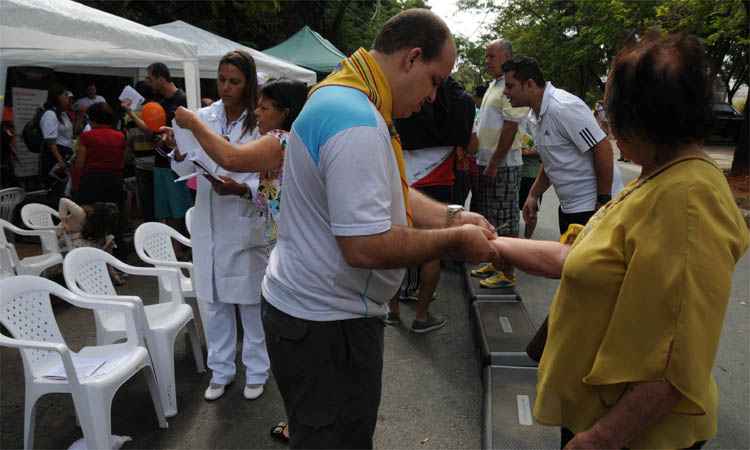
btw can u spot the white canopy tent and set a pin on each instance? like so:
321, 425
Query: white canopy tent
212, 47
72, 37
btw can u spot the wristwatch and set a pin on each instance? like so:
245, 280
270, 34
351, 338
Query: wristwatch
452, 212
603, 198
248, 195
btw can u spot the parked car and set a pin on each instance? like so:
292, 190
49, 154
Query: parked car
726, 124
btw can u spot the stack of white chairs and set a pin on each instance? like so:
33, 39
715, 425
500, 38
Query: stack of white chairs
9, 199
86, 274
153, 244
91, 376
37, 216
30, 265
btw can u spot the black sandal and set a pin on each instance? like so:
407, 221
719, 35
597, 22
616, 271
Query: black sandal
277, 432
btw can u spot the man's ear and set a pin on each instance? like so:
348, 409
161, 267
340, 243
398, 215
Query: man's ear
411, 57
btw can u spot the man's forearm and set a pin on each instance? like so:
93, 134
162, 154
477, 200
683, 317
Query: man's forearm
401, 246
427, 212
507, 135
603, 166
138, 121
643, 405
541, 183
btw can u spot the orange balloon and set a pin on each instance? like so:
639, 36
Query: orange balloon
154, 116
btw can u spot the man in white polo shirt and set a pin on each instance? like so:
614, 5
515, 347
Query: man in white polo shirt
499, 160
575, 152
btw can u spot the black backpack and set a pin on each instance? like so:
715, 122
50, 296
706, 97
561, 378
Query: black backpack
32, 132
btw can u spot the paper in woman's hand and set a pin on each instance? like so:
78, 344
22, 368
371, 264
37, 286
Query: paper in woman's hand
185, 140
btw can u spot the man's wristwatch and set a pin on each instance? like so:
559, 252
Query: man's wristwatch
603, 198
452, 212
248, 195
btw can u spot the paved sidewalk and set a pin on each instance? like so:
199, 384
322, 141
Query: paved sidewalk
432, 394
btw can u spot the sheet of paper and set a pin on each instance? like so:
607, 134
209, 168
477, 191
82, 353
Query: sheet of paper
187, 177
186, 142
85, 366
136, 99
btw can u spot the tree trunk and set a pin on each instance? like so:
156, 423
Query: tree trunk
741, 160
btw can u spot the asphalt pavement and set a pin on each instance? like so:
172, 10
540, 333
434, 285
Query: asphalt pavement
432, 393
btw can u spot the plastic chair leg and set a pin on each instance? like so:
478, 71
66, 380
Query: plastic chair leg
153, 389
161, 348
29, 420
195, 343
96, 418
203, 314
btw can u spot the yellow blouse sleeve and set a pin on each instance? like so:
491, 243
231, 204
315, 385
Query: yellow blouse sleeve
666, 323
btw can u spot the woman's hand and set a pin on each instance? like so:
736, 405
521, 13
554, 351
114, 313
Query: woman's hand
228, 187
589, 440
185, 118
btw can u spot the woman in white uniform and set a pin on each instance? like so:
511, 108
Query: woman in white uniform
57, 131
230, 247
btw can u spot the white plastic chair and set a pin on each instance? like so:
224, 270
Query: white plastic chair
7, 269
37, 216
86, 274
51, 367
153, 244
31, 265
9, 199
189, 220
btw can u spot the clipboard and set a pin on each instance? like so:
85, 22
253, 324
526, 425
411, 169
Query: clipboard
207, 173
202, 171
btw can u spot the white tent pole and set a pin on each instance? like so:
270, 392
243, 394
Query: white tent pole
3, 78
192, 84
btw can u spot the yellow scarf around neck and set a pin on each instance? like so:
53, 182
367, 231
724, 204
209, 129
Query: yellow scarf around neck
360, 71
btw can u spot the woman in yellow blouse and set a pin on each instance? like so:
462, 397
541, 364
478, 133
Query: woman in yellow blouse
635, 324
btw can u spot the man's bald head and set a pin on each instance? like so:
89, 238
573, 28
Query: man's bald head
495, 54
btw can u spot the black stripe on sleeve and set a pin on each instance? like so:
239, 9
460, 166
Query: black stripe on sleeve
586, 135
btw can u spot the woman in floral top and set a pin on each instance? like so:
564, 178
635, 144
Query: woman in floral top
279, 104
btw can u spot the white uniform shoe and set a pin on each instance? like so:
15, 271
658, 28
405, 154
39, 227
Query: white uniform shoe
214, 391
252, 391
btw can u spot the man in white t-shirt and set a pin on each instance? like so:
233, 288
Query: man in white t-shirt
83, 103
344, 237
576, 154
499, 160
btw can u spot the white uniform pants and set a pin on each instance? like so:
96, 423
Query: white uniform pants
222, 343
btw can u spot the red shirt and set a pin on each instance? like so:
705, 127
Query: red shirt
105, 150
442, 175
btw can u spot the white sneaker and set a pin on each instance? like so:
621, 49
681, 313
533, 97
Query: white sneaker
252, 391
214, 391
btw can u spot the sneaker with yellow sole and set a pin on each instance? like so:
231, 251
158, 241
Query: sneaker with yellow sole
498, 281
485, 271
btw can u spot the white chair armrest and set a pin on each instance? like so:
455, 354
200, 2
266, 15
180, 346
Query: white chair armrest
56, 347
174, 264
166, 275
131, 306
38, 345
182, 239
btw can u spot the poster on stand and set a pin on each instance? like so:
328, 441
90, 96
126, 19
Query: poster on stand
25, 103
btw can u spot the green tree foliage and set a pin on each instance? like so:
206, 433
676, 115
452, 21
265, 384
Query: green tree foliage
470, 64
348, 24
575, 40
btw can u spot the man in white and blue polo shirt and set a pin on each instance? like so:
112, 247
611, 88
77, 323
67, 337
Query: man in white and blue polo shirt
344, 236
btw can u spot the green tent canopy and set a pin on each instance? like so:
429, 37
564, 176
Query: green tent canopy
309, 49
